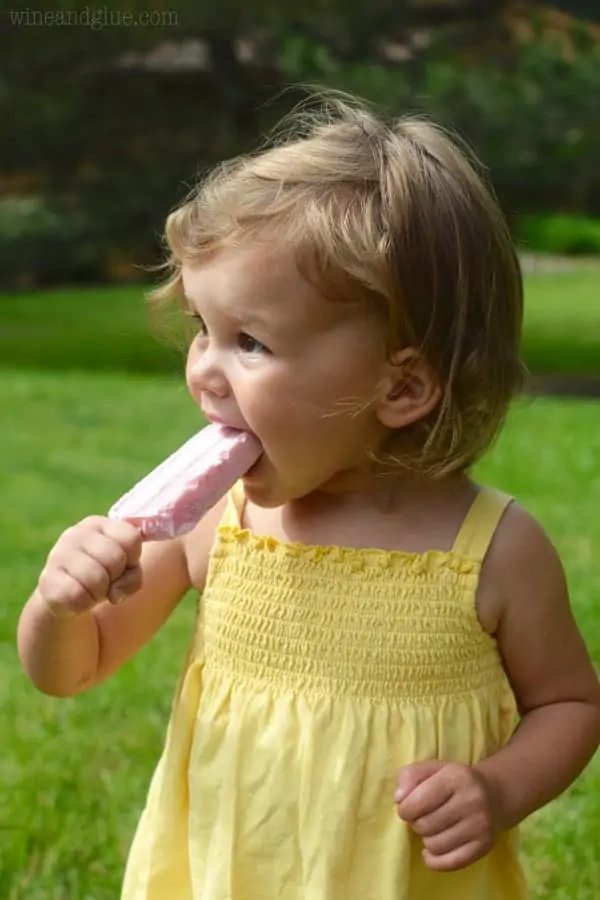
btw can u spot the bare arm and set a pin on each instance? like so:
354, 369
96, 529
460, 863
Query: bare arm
556, 687
458, 810
64, 656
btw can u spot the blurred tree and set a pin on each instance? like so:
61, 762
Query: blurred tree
586, 9
57, 64
93, 90
110, 111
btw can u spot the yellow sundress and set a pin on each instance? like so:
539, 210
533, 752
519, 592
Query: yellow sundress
315, 674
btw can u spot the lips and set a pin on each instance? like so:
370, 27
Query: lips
217, 420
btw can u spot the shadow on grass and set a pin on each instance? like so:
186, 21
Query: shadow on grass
103, 328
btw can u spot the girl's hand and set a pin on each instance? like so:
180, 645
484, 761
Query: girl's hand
95, 560
450, 806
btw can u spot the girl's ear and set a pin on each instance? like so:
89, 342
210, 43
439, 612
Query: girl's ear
410, 389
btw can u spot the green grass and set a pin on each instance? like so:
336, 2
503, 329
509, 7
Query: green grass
74, 773
107, 328
562, 322
103, 328
78, 427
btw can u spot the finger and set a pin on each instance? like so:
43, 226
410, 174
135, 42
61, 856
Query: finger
125, 534
109, 553
411, 776
455, 859
451, 839
440, 820
91, 575
60, 589
426, 798
129, 583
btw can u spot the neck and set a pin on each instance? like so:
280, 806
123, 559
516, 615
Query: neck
380, 493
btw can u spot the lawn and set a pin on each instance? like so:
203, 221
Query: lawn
73, 773
107, 329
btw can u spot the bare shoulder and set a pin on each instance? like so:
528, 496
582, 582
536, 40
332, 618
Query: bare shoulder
519, 543
520, 559
525, 590
197, 545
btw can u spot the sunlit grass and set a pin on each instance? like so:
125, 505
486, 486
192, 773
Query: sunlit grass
74, 773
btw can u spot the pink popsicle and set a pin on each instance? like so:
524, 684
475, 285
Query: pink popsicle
172, 498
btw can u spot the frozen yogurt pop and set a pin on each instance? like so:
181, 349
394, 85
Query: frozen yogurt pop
172, 498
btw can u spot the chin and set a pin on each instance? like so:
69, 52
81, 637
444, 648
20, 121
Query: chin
258, 489
260, 496
265, 490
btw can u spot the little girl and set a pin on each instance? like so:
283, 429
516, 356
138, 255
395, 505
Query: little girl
371, 619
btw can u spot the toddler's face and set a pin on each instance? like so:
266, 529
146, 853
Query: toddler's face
275, 357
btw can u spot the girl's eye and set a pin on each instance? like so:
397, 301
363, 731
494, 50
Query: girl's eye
245, 341
250, 344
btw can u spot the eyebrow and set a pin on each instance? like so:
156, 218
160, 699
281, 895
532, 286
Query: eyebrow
251, 318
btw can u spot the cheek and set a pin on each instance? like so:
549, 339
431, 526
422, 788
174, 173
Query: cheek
295, 421
291, 409
342, 392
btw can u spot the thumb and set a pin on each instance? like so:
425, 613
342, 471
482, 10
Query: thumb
412, 776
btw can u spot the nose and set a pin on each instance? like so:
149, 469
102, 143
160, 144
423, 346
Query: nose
205, 374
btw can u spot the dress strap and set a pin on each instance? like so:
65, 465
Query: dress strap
480, 523
234, 508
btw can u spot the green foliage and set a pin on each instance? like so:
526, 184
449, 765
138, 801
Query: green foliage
559, 234
535, 124
111, 146
41, 243
532, 118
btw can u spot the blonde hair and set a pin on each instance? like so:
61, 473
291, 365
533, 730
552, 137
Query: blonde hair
396, 214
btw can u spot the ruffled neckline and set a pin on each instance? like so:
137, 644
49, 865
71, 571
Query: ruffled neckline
354, 557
